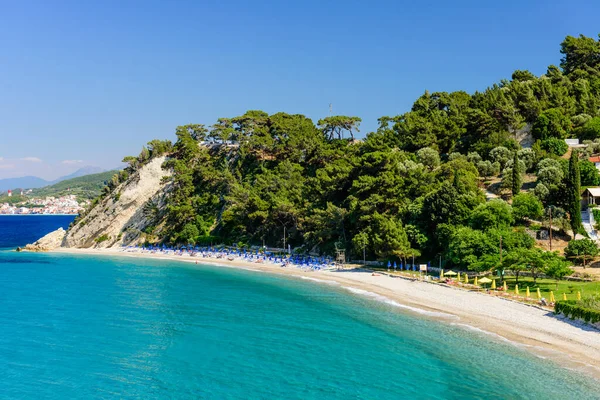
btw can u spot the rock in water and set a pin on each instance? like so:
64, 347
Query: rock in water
49, 242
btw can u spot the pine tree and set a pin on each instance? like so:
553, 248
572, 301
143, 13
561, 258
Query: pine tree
516, 176
574, 193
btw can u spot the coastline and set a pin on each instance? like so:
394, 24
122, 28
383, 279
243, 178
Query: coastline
569, 343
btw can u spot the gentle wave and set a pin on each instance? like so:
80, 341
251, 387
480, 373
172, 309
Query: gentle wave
326, 281
391, 302
483, 331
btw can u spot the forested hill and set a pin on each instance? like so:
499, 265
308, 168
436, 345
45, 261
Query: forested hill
84, 187
410, 188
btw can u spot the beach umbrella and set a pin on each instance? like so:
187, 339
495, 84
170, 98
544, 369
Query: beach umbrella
493, 284
564, 296
450, 273
389, 265
458, 277
578, 295
484, 280
527, 293
552, 297
466, 278
539, 295
517, 290
441, 273
395, 266
505, 287
475, 282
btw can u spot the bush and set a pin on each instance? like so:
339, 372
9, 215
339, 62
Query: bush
428, 157
102, 238
555, 146
526, 205
596, 213
591, 129
579, 249
572, 309
552, 123
589, 173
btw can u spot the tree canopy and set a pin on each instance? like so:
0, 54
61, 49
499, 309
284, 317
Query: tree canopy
411, 187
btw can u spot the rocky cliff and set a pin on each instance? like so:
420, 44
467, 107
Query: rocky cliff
121, 216
49, 242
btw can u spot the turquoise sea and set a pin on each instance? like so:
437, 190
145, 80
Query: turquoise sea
117, 327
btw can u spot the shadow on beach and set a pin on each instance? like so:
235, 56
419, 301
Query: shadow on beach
573, 322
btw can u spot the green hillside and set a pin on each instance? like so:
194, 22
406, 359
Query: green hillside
412, 188
84, 187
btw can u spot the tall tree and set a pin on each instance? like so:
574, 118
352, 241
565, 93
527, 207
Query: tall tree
517, 180
338, 124
573, 185
579, 52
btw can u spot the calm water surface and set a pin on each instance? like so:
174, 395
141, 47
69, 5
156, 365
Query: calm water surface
88, 327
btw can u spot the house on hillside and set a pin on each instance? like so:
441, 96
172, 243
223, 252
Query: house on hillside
595, 160
590, 196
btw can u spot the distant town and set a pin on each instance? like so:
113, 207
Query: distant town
44, 206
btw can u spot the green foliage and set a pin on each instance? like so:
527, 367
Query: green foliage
189, 234
588, 173
581, 249
466, 246
573, 187
527, 206
487, 168
493, 214
579, 53
84, 187
338, 124
554, 146
558, 269
14, 199
102, 238
590, 130
551, 123
528, 158
500, 155
517, 178
412, 187
533, 260
571, 309
428, 157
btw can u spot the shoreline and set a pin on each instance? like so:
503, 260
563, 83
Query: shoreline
570, 344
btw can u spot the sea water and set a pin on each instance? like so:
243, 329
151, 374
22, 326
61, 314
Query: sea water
119, 327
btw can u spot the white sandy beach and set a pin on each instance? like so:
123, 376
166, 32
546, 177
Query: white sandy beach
571, 344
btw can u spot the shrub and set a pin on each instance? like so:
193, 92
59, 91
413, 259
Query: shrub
552, 123
102, 238
574, 310
591, 129
589, 173
526, 205
555, 146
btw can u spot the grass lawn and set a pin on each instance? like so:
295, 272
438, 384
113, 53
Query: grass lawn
570, 288
546, 285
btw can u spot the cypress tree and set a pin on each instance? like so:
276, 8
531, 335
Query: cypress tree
574, 193
516, 176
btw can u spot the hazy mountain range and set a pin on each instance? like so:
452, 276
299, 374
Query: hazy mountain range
33, 182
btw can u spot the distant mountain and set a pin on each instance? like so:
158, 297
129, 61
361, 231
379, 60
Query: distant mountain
89, 170
33, 182
25, 182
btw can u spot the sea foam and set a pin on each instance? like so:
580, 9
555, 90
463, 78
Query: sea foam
326, 281
391, 302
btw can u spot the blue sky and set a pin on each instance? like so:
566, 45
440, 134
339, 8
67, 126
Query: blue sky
88, 82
